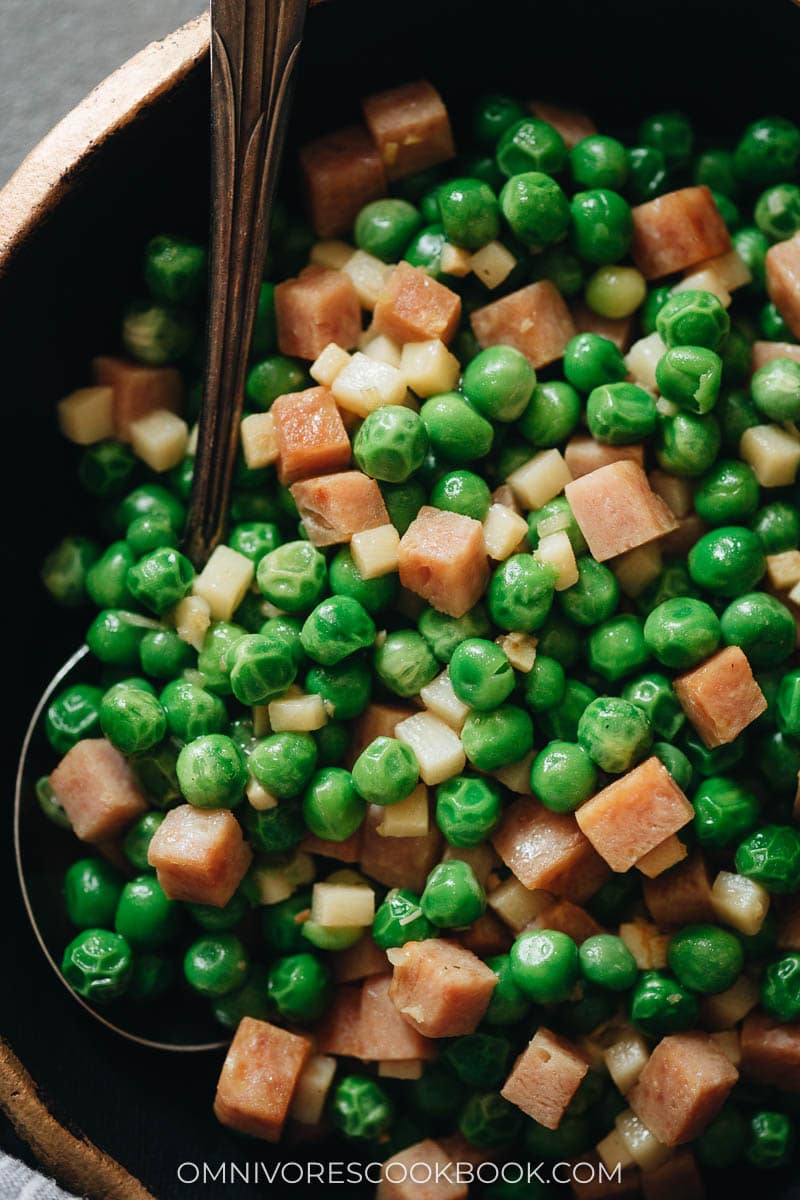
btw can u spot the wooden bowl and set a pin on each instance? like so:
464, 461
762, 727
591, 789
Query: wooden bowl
132, 161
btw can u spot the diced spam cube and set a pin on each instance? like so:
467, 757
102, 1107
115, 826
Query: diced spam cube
410, 128
783, 280
676, 231
437, 747
385, 1035
310, 435
259, 1077
259, 444
667, 854
573, 125
199, 855
486, 936
720, 697
440, 988
771, 1051
342, 171
97, 790
772, 452
547, 850
617, 510
615, 329
365, 384
764, 352
339, 1031
583, 454
427, 1163
442, 558
87, 415
397, 861
334, 507
317, 307
678, 1176
682, 895
159, 439
429, 368
545, 1077
634, 814
377, 720
224, 581
568, 918
683, 1086
360, 961
678, 543
415, 308
534, 320
138, 390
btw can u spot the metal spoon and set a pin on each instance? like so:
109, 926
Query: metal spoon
254, 52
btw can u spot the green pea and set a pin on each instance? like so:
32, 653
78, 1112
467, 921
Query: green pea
138, 838
215, 966
705, 958
720, 1144
391, 443
767, 152
751, 245
132, 719
607, 962
491, 116
775, 389
715, 169
220, 920
97, 965
787, 704
175, 269
152, 976
92, 889
771, 856
385, 227
591, 361
563, 776
647, 173
66, 570
536, 209
106, 579
496, 739
499, 383
344, 578
149, 498
673, 580
283, 763
727, 561
771, 1140
160, 579
452, 896
156, 773
213, 657
594, 598
462, 492
444, 633
687, 444
360, 1108
293, 576
615, 292
562, 268
425, 250
676, 763
654, 695
481, 675
690, 376
403, 501
544, 965
212, 772
468, 809
693, 318
145, 917
260, 668
404, 663
272, 377
777, 211
714, 761
728, 494
254, 539
551, 415
469, 213
654, 301
333, 808
735, 413
618, 647
336, 628
671, 133
531, 145
773, 326
300, 987
599, 162
561, 722
762, 626
249, 1000
602, 225
150, 531
282, 923
620, 413
553, 1145
558, 506
163, 654
73, 715
780, 988
265, 334
661, 1005
615, 897
614, 733
456, 430
399, 919
156, 334
479, 1060
545, 684
345, 688
682, 632
105, 469
520, 593
508, 1003
386, 772
191, 711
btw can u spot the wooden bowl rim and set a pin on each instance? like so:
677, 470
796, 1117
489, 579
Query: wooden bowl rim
55, 165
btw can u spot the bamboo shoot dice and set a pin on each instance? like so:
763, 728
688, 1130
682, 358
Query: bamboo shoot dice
644, 1147
297, 714
625, 1060
376, 551
503, 530
409, 818
643, 358
556, 551
192, 617
493, 264
308, 1102
259, 444
783, 570
437, 747
159, 439
440, 699
369, 276
331, 253
728, 1008
429, 367
347, 904
518, 905
381, 348
86, 416
739, 902
224, 581
773, 454
364, 385
540, 479
327, 366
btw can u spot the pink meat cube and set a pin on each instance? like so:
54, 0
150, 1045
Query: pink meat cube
137, 390
377, 720
486, 936
318, 307
413, 307
258, 1078
783, 280
545, 1077
583, 454
764, 352
771, 1051
678, 1176
360, 961
547, 850
410, 127
720, 697
398, 861
676, 231
534, 320
440, 988
678, 543
443, 559
385, 1035
634, 814
199, 855
682, 895
617, 509
682, 1087
334, 507
348, 851
97, 790
310, 433
568, 918
342, 172
573, 126
420, 1173
615, 329
339, 1031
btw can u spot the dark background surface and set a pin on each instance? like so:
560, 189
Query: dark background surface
723, 61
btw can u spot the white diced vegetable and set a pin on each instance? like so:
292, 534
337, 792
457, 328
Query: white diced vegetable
409, 818
540, 479
272, 884
705, 280
727, 1040
437, 747
455, 261
481, 858
429, 367
730, 269
783, 570
728, 1008
332, 254
260, 799
328, 364
676, 492
625, 1060
773, 454
646, 943
191, 445
313, 1085
636, 568
369, 276
364, 385
643, 1146
556, 551
192, 617
643, 358
159, 439
520, 649
375, 551
739, 902
613, 1152
503, 530
381, 348
297, 714
516, 776
440, 699
342, 904
516, 905
224, 581
87, 415
493, 264
259, 444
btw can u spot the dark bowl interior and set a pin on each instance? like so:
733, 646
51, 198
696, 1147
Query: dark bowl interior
60, 304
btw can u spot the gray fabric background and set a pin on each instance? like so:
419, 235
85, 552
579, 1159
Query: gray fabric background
52, 52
